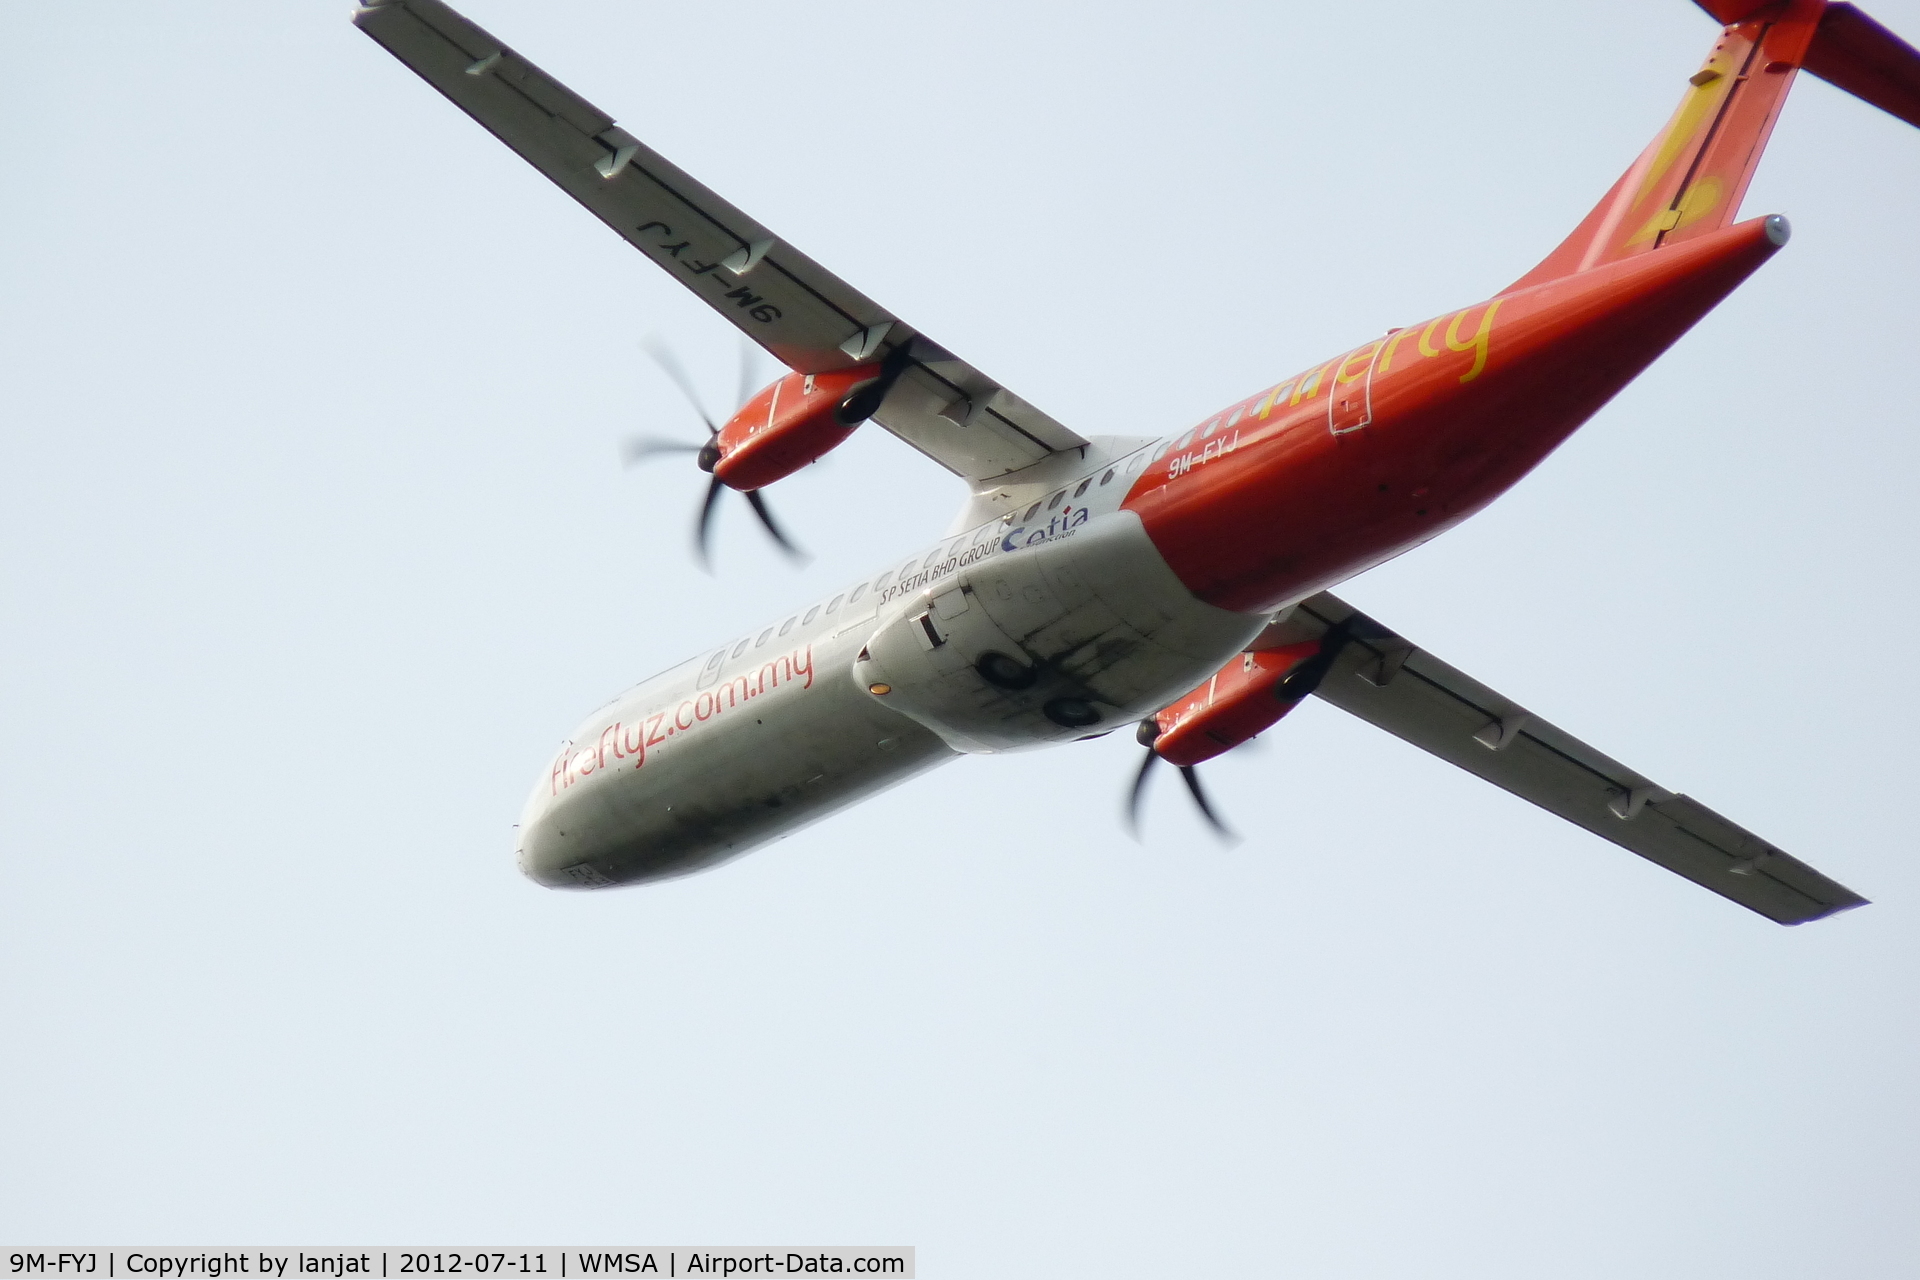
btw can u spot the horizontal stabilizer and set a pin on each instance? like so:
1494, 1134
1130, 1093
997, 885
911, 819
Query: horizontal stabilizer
1387, 682
1855, 53
1849, 51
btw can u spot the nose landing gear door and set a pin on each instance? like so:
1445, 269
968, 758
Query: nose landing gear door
1350, 392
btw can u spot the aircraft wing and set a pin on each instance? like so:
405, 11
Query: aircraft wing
808, 318
1386, 681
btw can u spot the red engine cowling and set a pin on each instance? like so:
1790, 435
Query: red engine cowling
790, 424
1242, 699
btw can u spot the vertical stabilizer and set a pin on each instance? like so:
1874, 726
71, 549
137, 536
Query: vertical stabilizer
1690, 180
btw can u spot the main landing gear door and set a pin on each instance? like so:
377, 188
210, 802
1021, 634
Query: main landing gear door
1350, 393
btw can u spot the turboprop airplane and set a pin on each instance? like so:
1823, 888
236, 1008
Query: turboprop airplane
1094, 582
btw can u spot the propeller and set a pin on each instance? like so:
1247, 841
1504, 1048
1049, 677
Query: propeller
705, 456
1297, 684
1190, 774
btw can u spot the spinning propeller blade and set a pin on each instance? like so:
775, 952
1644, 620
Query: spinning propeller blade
670, 365
759, 505
641, 448
1192, 776
1148, 731
1299, 682
1140, 786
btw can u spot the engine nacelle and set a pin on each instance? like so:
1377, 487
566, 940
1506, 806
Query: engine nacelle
1244, 698
790, 424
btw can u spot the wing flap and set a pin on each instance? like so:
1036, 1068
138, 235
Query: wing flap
1383, 679
808, 318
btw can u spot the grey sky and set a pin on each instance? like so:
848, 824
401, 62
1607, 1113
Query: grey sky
316, 541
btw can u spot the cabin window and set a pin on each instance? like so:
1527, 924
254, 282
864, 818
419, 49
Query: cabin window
856, 593
1083, 486
811, 615
1237, 413
1032, 511
933, 557
764, 637
834, 604
1056, 499
742, 646
788, 624
1211, 428
1136, 462
882, 580
1181, 443
1107, 478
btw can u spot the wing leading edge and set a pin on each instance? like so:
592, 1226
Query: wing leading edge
808, 318
1388, 682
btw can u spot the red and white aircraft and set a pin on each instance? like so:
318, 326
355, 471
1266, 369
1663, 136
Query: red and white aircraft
1092, 582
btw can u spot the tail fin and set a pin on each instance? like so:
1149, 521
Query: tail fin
1691, 178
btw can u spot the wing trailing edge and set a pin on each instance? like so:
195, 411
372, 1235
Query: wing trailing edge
1387, 681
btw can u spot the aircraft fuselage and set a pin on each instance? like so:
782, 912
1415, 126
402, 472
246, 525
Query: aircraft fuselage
1113, 582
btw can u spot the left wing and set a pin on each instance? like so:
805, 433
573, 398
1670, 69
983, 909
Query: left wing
808, 318
1386, 681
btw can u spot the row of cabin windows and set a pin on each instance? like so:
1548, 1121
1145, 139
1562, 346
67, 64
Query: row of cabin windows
830, 608
939, 553
1054, 502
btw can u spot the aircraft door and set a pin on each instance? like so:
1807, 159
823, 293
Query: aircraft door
1350, 391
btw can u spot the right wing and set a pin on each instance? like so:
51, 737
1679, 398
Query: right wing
783, 300
1386, 681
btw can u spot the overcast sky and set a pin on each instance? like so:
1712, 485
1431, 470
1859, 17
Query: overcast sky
316, 542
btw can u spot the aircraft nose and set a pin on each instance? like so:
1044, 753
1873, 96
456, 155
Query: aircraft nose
548, 857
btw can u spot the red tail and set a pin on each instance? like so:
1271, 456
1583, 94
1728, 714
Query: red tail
1691, 178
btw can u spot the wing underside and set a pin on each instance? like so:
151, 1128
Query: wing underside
808, 318
1388, 682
